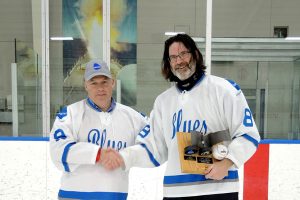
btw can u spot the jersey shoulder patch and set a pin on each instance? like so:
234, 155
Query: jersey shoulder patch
235, 85
62, 113
144, 115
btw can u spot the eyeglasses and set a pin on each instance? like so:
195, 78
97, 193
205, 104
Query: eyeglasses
182, 55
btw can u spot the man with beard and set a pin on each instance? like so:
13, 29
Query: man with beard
197, 102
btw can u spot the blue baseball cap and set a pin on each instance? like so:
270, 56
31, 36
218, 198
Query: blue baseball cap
96, 67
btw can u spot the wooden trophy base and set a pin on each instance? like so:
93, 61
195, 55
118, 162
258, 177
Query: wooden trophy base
191, 163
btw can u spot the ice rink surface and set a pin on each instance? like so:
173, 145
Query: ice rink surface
27, 173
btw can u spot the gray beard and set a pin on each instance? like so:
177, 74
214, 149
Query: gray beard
192, 69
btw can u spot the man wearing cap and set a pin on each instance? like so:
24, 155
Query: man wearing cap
87, 132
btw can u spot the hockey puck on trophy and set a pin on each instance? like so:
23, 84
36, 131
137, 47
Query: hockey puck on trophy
189, 150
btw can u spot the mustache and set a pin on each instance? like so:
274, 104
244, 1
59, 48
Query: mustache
188, 65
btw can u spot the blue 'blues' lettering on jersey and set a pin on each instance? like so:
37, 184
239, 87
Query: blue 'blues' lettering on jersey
98, 138
59, 134
234, 84
62, 113
145, 131
187, 125
248, 120
118, 145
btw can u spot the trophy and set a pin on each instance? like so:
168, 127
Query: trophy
198, 151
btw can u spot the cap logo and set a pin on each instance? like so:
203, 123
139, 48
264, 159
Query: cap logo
97, 66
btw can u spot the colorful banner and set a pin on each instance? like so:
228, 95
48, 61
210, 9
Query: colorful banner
82, 20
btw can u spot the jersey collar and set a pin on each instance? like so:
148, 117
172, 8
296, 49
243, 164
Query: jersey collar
95, 107
196, 82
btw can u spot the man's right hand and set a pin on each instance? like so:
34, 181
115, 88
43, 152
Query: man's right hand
110, 159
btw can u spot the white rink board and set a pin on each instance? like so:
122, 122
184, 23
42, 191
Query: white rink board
284, 172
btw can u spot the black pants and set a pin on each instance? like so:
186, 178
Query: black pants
226, 196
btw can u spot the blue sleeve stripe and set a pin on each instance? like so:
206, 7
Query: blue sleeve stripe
153, 160
65, 155
189, 178
92, 195
251, 139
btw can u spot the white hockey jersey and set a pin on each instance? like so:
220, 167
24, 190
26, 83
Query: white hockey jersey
77, 134
213, 104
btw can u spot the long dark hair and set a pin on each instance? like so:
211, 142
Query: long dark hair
189, 43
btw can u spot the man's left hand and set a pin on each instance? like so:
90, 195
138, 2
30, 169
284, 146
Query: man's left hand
218, 170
